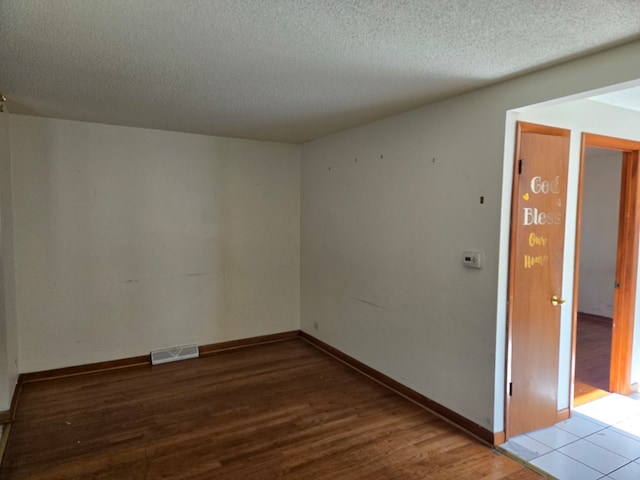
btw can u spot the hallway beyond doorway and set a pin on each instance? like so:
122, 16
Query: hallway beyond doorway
593, 358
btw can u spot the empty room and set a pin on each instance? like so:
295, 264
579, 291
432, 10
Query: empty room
318, 239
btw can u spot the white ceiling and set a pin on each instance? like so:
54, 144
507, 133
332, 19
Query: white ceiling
282, 70
629, 99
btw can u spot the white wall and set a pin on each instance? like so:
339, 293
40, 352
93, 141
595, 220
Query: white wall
8, 320
599, 235
387, 210
129, 240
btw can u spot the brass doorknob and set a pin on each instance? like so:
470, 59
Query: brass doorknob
556, 300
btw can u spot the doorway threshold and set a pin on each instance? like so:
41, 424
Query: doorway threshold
600, 441
588, 395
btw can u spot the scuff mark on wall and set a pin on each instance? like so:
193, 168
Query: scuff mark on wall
367, 302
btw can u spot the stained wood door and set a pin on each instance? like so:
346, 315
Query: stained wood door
535, 283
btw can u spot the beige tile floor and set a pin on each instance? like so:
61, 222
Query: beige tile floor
600, 441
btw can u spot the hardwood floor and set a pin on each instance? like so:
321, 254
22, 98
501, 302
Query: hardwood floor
593, 357
282, 410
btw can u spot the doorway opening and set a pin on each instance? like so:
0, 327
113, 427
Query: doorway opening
606, 268
535, 276
602, 174
595, 112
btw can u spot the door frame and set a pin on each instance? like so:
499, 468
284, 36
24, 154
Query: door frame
626, 262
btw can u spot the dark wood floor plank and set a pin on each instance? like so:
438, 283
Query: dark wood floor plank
276, 411
593, 357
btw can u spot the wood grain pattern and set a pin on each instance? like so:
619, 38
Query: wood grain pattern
536, 259
279, 410
626, 274
473, 428
204, 350
593, 357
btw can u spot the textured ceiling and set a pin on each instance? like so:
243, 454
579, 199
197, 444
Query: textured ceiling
283, 70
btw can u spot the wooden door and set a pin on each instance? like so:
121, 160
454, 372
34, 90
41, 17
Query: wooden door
535, 283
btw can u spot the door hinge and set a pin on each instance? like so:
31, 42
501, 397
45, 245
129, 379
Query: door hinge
520, 167
616, 284
510, 389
